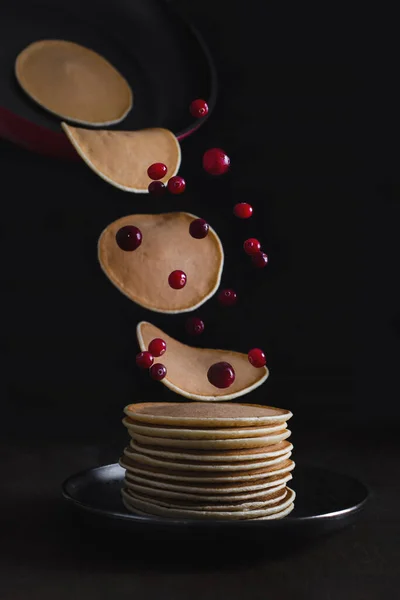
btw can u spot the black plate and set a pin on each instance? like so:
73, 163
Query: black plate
325, 501
162, 57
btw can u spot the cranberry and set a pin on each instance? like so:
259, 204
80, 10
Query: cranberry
194, 326
176, 185
257, 358
157, 347
144, 360
157, 188
157, 171
177, 279
198, 229
129, 238
199, 108
252, 246
242, 210
260, 260
158, 371
215, 161
221, 374
227, 297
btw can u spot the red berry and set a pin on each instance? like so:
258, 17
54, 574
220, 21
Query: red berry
157, 188
252, 246
198, 229
128, 238
257, 358
157, 347
176, 185
242, 210
260, 260
199, 108
177, 280
194, 326
144, 360
215, 161
157, 171
158, 371
227, 297
221, 375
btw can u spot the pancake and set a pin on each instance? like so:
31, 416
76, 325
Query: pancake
142, 275
216, 457
197, 414
273, 497
73, 82
238, 443
154, 492
135, 469
203, 466
201, 488
151, 507
275, 516
200, 434
122, 157
187, 374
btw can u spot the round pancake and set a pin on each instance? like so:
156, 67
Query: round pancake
230, 487
181, 477
278, 494
216, 456
122, 158
203, 466
210, 414
142, 275
213, 444
275, 516
152, 507
156, 492
183, 433
73, 82
187, 366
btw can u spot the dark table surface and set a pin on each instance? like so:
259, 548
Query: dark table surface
296, 148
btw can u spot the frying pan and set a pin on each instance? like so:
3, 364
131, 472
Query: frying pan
163, 58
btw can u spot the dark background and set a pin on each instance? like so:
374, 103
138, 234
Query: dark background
306, 113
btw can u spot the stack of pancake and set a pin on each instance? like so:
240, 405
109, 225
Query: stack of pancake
207, 460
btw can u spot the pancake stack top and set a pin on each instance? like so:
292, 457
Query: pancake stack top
208, 461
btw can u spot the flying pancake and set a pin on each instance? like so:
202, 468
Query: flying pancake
187, 375
73, 82
122, 157
142, 275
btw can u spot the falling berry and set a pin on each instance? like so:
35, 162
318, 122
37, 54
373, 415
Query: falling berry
144, 360
260, 260
129, 238
252, 246
176, 185
157, 171
194, 326
221, 375
257, 358
198, 229
157, 188
177, 279
227, 297
158, 371
157, 347
242, 210
215, 161
199, 108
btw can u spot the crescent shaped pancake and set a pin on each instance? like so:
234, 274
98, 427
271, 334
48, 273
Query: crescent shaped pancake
122, 157
142, 275
187, 370
73, 82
